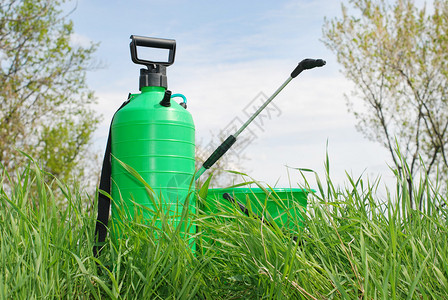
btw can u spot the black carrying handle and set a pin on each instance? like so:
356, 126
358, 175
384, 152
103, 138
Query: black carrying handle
244, 209
151, 42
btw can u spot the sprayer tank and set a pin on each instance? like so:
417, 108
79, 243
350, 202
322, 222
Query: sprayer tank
158, 143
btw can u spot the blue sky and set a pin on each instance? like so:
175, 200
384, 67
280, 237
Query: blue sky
228, 52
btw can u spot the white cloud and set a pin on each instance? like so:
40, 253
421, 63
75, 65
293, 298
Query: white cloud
313, 112
80, 40
220, 73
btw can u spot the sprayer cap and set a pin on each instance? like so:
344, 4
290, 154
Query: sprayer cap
155, 75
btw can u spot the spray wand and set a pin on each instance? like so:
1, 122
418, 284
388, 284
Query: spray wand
305, 64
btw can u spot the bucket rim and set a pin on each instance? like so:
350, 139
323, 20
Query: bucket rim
260, 190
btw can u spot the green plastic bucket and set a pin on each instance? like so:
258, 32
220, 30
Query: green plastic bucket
284, 206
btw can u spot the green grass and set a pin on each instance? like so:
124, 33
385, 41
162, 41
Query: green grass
354, 246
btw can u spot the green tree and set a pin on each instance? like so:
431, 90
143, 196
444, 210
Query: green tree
396, 54
45, 105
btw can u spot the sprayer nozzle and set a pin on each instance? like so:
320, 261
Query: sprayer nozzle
307, 64
320, 62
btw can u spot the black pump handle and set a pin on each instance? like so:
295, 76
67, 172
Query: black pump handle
151, 42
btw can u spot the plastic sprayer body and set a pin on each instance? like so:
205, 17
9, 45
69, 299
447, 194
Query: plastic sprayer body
158, 143
152, 157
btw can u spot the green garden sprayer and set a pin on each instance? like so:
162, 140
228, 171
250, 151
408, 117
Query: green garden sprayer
149, 162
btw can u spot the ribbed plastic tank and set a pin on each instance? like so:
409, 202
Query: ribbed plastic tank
158, 142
